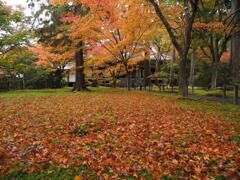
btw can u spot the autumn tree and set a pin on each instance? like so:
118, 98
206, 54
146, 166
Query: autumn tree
235, 52
54, 48
105, 65
213, 28
180, 39
160, 45
63, 40
123, 34
81, 26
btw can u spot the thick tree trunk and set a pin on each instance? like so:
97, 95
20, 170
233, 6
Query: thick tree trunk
23, 81
157, 67
128, 85
235, 56
171, 78
134, 80
114, 84
191, 80
80, 84
57, 79
214, 75
141, 79
128, 80
146, 65
183, 84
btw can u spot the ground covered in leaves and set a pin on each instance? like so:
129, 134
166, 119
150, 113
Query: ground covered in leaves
114, 134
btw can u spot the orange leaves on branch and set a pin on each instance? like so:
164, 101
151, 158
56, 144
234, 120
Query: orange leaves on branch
115, 32
67, 18
43, 54
212, 27
51, 57
123, 36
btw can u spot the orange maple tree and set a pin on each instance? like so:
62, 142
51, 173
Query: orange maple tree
82, 26
123, 34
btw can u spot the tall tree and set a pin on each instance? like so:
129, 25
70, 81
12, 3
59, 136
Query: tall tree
123, 34
14, 35
81, 26
54, 49
189, 10
214, 28
192, 69
80, 84
235, 52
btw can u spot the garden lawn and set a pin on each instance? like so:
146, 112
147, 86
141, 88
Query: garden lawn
115, 134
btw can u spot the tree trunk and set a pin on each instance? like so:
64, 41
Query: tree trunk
128, 80
114, 81
183, 84
214, 75
171, 79
225, 90
189, 20
157, 67
58, 79
236, 94
68, 77
191, 80
146, 73
9, 80
128, 85
134, 79
80, 84
141, 77
235, 55
23, 81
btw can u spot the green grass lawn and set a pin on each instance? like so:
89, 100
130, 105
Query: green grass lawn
47, 92
37, 92
201, 91
116, 134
